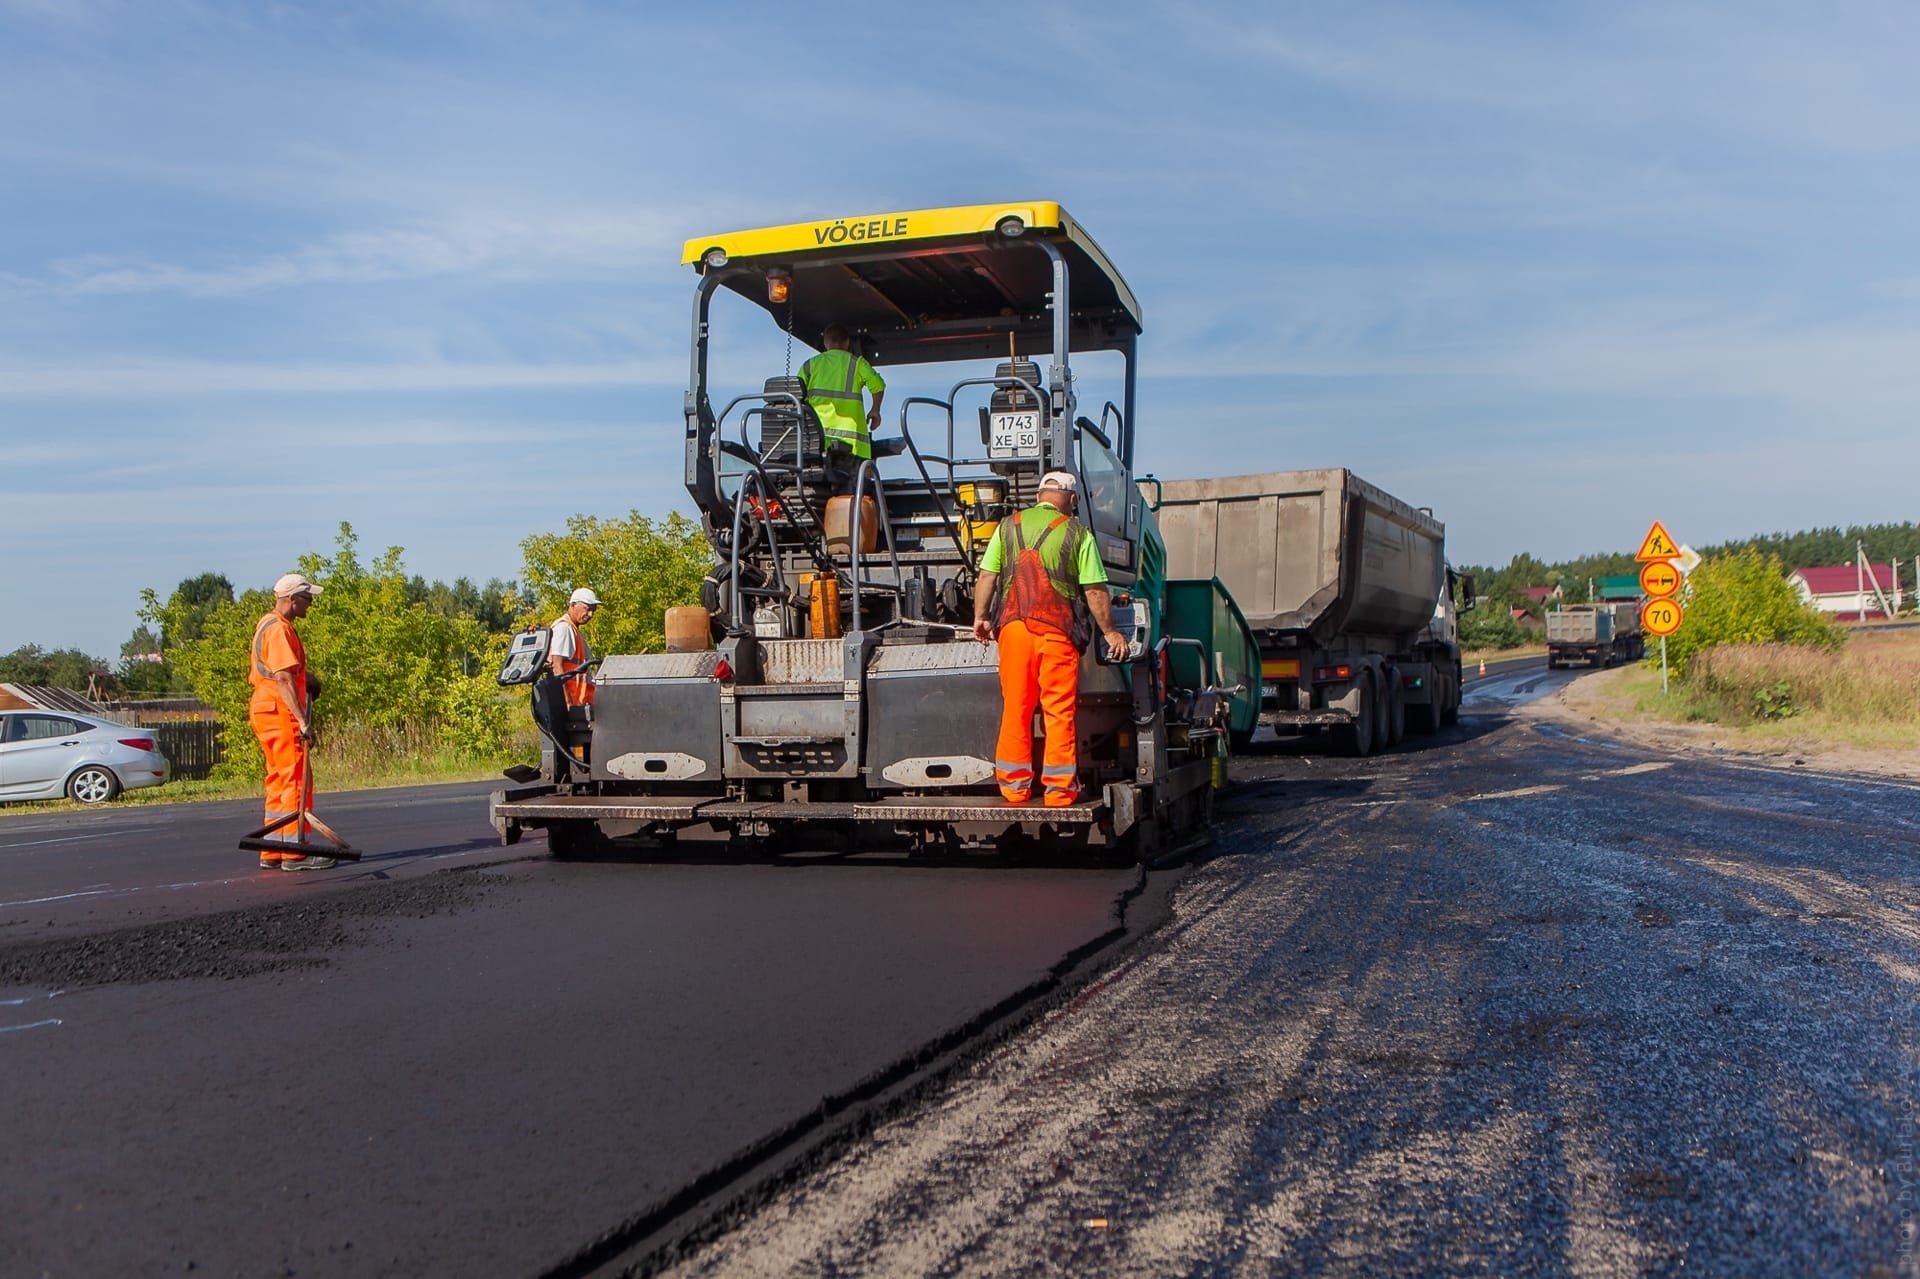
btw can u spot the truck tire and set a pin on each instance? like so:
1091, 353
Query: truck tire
1355, 738
1396, 701
1450, 709
1240, 739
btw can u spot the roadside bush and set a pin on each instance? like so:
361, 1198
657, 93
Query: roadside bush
1743, 598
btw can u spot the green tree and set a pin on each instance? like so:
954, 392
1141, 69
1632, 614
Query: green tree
1491, 625
638, 566
1743, 597
192, 600
143, 671
57, 668
489, 605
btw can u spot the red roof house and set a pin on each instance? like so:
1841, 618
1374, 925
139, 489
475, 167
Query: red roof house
1847, 590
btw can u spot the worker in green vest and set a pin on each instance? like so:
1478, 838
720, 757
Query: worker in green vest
834, 379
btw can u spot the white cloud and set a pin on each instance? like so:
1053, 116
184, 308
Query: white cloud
119, 378
500, 246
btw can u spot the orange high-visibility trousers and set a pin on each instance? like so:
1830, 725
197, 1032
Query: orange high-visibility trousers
1038, 667
280, 742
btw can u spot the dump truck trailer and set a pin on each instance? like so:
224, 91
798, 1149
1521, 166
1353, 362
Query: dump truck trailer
1346, 589
830, 694
1597, 634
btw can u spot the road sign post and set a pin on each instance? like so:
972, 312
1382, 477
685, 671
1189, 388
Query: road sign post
1664, 564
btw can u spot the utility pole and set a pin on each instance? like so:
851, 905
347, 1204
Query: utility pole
1865, 573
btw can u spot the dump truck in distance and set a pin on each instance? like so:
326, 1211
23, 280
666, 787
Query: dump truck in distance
1597, 634
1347, 591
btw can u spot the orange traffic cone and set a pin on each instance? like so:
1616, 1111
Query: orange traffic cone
1483, 666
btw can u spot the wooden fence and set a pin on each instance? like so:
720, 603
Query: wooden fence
192, 746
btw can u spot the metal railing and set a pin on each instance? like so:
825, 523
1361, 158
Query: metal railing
764, 465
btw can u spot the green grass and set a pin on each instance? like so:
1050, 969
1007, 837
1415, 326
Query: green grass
1474, 656
1865, 696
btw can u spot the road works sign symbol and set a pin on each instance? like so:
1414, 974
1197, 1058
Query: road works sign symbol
1657, 546
1662, 617
1659, 579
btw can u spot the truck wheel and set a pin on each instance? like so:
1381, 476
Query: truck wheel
1450, 709
1396, 712
1240, 739
1355, 738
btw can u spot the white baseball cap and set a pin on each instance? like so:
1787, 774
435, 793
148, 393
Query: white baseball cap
584, 596
293, 584
1060, 480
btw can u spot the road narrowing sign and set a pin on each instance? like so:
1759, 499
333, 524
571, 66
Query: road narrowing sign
1661, 617
1657, 545
1659, 578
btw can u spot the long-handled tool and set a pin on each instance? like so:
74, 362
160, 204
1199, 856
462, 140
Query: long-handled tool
305, 823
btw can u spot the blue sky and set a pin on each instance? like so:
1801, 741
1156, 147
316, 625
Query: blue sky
1553, 271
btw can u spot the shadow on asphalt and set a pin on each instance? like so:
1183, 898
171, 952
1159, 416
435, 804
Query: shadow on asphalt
1315, 748
729, 853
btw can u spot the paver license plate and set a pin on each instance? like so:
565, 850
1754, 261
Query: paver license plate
1014, 435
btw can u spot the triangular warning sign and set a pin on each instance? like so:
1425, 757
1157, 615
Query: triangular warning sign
1658, 545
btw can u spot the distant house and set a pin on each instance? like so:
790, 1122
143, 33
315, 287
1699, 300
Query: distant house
1626, 587
1527, 620
1541, 594
1846, 590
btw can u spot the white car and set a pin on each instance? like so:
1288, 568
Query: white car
47, 754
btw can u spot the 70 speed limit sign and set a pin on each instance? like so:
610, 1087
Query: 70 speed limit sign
1661, 617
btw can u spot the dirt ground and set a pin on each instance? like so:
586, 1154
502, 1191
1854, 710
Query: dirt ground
1598, 704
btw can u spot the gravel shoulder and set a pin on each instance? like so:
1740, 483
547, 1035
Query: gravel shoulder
1596, 704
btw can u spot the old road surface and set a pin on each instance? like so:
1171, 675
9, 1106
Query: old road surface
1505, 1000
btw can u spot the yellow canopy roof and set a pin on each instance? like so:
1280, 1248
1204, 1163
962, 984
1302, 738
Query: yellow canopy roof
930, 284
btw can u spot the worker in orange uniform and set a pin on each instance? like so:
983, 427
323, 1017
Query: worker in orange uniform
1049, 559
282, 716
567, 651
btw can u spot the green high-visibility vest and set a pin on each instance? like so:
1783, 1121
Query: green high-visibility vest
834, 380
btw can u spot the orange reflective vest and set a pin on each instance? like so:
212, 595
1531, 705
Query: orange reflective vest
276, 647
1037, 593
578, 687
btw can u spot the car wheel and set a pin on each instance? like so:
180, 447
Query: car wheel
93, 785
